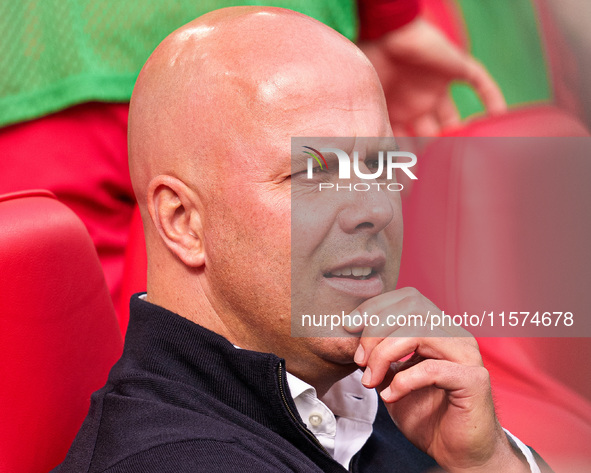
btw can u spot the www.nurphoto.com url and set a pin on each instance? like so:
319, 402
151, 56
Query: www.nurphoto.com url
488, 319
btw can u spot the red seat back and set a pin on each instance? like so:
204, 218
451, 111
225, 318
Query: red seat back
58, 331
540, 121
135, 267
503, 224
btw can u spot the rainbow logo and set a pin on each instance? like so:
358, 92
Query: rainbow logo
317, 155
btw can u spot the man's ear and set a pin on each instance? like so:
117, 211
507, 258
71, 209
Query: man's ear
174, 211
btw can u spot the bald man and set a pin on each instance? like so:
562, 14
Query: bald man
211, 379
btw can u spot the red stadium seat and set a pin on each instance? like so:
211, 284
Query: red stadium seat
58, 331
503, 224
533, 121
134, 269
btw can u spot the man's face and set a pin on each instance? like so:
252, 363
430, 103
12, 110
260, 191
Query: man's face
346, 233
263, 256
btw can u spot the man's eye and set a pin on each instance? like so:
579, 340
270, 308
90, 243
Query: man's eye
373, 163
316, 170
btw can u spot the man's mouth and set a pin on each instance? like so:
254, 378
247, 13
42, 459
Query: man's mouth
359, 273
359, 277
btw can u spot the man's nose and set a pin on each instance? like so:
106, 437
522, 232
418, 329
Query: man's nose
370, 211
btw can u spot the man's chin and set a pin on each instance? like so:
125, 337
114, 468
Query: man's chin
336, 350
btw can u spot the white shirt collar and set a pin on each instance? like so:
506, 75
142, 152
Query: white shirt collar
342, 420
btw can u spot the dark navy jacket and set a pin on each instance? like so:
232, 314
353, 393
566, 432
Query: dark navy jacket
183, 399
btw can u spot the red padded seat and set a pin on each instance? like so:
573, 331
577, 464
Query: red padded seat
503, 224
58, 331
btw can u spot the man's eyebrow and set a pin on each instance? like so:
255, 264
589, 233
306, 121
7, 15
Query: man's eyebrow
299, 158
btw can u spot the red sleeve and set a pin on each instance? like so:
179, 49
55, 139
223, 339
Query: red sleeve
378, 17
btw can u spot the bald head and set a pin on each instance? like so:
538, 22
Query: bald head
222, 79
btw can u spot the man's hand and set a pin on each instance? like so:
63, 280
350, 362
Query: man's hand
416, 64
440, 397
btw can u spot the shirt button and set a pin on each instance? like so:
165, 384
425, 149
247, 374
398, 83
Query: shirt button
315, 420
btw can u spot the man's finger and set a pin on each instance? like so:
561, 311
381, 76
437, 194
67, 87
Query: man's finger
443, 374
405, 308
407, 305
389, 350
383, 301
378, 304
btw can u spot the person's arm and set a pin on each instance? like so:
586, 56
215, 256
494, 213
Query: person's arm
416, 64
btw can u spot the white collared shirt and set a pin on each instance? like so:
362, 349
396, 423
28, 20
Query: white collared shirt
343, 420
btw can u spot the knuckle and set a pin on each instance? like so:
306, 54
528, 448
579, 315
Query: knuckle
476, 357
410, 292
401, 381
380, 352
482, 376
430, 367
